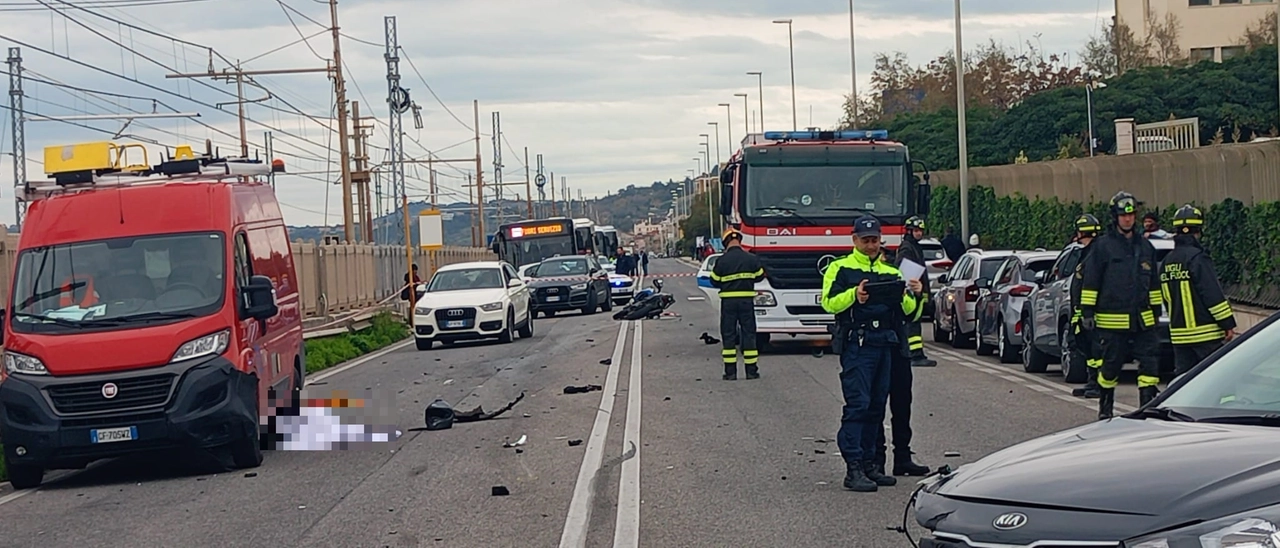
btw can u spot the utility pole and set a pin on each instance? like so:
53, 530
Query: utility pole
964, 145
360, 176
19, 136
340, 89
528, 192
541, 182
555, 211
479, 180
497, 164
398, 101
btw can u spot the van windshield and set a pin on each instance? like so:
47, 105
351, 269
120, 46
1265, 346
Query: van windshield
119, 282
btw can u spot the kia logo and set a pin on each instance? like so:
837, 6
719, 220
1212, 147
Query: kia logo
825, 261
110, 390
455, 312
1013, 520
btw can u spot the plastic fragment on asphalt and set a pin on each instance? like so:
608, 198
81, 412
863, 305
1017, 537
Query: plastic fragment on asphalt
500, 491
582, 389
951, 454
606, 361
448, 382
519, 442
575, 443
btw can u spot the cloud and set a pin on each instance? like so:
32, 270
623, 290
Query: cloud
610, 92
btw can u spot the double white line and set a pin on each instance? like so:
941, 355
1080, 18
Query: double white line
627, 524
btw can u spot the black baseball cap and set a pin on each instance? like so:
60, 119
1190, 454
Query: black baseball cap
866, 225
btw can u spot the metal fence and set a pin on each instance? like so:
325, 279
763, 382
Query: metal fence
333, 278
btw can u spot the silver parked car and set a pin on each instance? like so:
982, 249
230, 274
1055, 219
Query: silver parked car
1000, 302
953, 318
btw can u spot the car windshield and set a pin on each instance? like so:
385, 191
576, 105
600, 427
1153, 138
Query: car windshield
1036, 267
932, 253
109, 283
1245, 381
465, 278
561, 267
825, 191
989, 266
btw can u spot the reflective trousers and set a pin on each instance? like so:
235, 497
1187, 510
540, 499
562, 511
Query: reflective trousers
738, 328
1084, 349
900, 381
864, 380
1115, 347
915, 341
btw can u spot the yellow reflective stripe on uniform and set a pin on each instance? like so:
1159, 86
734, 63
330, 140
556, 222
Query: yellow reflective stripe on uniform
738, 276
1147, 380
1205, 333
1112, 321
1154, 297
751, 353
1088, 297
1221, 311
749, 357
1148, 318
737, 294
1094, 363
1164, 292
1188, 308
1104, 383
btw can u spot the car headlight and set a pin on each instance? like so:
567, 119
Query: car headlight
765, 298
1252, 529
24, 364
578, 287
491, 307
421, 310
208, 345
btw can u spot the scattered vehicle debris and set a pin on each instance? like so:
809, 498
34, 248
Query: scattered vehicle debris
575, 443
500, 491
519, 442
441, 416
582, 389
709, 339
606, 361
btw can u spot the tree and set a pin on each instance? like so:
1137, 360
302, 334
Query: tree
1261, 33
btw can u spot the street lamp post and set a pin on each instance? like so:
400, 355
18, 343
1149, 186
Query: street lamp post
792, 48
760, 81
1088, 99
853, 67
707, 145
963, 134
728, 126
746, 116
717, 124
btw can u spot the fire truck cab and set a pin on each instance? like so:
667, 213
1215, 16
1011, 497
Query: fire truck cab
794, 196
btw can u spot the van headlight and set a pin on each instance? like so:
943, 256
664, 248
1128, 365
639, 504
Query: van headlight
208, 345
491, 307
1252, 529
23, 364
765, 298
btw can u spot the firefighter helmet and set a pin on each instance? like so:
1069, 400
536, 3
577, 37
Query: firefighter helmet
731, 234
1188, 219
1124, 203
1088, 224
915, 221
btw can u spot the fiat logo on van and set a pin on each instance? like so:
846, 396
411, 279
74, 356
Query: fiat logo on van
110, 390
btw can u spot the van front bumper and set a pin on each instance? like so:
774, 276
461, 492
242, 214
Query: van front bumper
52, 422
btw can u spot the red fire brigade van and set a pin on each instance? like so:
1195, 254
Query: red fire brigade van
151, 307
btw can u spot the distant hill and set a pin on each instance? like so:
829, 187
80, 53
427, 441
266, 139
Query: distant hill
621, 209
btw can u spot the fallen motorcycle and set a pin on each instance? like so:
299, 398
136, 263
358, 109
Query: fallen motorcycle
648, 303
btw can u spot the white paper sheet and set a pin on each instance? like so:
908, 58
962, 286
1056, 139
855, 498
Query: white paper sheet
911, 270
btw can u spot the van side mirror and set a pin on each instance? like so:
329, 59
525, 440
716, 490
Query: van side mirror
924, 197
260, 295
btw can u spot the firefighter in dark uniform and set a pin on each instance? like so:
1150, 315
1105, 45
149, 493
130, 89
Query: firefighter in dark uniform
1082, 344
735, 275
1200, 318
1120, 300
910, 250
872, 306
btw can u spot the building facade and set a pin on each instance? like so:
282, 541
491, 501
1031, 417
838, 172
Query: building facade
1208, 29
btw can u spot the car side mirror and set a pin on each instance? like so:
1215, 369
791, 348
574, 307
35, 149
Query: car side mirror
514, 282
942, 279
1039, 276
260, 296
982, 283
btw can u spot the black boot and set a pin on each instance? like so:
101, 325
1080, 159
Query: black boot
1146, 394
904, 466
877, 475
1106, 403
922, 361
730, 373
856, 480
1090, 389
753, 372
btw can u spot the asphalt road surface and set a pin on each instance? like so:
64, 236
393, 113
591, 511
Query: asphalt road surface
670, 454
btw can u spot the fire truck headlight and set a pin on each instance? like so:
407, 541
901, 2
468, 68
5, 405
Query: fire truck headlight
765, 298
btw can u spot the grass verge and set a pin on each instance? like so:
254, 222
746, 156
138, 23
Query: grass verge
327, 352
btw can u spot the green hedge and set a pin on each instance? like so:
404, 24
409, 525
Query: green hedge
1241, 239
326, 352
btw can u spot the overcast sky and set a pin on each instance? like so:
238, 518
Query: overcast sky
610, 92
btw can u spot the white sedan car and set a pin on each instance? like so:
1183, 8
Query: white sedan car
621, 287
468, 301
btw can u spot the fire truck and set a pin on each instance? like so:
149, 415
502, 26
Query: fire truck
794, 196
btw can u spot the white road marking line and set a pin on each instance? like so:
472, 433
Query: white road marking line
1001, 371
579, 516
626, 531
358, 361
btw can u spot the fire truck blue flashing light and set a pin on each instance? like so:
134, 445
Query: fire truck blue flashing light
847, 135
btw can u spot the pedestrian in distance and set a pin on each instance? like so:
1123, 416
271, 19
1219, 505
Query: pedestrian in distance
1120, 299
735, 276
952, 244
872, 306
1200, 317
1082, 344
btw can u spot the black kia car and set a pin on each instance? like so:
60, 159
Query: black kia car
1198, 467
570, 282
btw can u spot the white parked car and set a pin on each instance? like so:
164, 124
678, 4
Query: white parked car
622, 288
468, 301
704, 271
